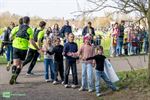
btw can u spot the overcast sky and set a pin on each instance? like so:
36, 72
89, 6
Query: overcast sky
43, 8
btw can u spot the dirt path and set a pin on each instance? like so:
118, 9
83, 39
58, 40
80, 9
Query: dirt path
35, 88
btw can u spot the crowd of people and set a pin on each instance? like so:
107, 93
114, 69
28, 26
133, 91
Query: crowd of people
133, 41
23, 45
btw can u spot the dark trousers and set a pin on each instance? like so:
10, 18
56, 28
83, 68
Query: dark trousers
59, 67
31, 56
126, 51
74, 72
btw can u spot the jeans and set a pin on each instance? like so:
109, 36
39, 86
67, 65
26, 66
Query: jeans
134, 49
130, 48
9, 52
48, 64
59, 67
98, 76
31, 56
146, 46
87, 76
74, 72
119, 45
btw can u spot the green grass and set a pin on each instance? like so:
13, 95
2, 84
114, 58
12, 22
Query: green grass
3, 60
133, 80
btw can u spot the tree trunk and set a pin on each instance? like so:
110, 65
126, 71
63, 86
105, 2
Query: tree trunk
148, 20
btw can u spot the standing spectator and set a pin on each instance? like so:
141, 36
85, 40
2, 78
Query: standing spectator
99, 71
8, 45
145, 40
120, 38
139, 36
89, 30
129, 37
66, 30
58, 60
48, 59
55, 30
70, 52
114, 39
49, 33
86, 51
134, 43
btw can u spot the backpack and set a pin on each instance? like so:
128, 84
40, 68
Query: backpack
35, 36
22, 33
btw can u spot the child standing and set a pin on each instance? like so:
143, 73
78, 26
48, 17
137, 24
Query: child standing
87, 50
99, 71
58, 60
48, 59
70, 52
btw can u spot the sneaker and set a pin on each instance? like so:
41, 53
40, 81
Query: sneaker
55, 82
66, 86
13, 79
74, 86
29, 74
62, 82
8, 66
14, 69
82, 89
98, 94
47, 80
90, 91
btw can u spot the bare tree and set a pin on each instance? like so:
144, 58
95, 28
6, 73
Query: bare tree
126, 6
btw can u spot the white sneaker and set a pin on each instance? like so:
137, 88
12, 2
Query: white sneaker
82, 89
98, 94
74, 86
29, 74
90, 91
66, 86
55, 82
62, 82
47, 80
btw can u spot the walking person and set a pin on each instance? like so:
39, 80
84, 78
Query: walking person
23, 36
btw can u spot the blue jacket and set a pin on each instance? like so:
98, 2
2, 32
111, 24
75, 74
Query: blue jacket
70, 47
65, 29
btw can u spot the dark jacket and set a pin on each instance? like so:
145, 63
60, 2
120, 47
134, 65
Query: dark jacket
70, 47
6, 39
65, 29
85, 31
57, 51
